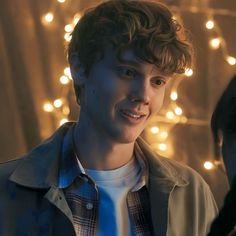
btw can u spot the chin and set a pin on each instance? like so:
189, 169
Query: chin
127, 139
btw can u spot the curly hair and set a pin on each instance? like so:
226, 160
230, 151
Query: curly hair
146, 27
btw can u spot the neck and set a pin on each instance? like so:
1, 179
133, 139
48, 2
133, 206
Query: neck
99, 152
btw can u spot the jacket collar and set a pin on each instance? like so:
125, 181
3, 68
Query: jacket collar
160, 168
40, 167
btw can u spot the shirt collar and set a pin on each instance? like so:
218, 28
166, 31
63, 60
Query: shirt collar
71, 167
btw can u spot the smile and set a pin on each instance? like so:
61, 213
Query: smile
132, 116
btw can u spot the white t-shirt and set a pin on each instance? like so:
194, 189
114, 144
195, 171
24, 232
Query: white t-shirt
113, 186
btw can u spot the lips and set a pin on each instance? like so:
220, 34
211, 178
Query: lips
132, 115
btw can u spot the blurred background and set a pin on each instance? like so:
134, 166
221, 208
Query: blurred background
36, 94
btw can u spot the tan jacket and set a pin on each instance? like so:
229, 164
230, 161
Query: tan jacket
31, 204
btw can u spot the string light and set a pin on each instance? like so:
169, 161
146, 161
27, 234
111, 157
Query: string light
170, 115
178, 111
155, 129
174, 96
67, 72
162, 146
76, 18
208, 165
49, 17
64, 79
67, 37
57, 103
215, 43
63, 121
48, 107
231, 60
68, 28
66, 110
210, 24
163, 135
188, 72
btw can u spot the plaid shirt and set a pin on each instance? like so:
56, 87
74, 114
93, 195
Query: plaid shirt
82, 194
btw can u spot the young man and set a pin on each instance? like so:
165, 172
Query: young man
97, 176
223, 124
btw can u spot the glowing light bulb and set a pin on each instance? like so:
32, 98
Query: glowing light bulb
61, 1
210, 24
67, 72
188, 72
162, 147
64, 79
68, 28
178, 111
163, 134
174, 96
208, 165
170, 115
49, 17
76, 18
67, 37
48, 107
231, 60
66, 110
57, 103
155, 129
63, 121
215, 43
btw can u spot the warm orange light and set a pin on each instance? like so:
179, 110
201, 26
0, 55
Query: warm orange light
178, 111
49, 17
170, 115
63, 121
231, 60
64, 79
208, 165
48, 107
162, 147
215, 43
188, 72
210, 24
163, 134
66, 110
57, 103
174, 96
68, 28
155, 129
76, 18
67, 72
67, 37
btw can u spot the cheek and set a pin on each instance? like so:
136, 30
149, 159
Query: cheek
158, 101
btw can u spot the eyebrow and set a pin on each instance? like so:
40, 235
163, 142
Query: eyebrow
136, 65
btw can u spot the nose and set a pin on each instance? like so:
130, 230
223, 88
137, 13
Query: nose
140, 93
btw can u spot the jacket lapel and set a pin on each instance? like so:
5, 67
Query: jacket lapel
40, 169
162, 180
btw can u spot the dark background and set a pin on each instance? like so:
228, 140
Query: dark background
33, 59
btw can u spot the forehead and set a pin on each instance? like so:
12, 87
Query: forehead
129, 58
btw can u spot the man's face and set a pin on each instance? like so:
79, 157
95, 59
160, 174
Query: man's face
118, 98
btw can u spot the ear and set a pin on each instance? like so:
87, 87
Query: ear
77, 69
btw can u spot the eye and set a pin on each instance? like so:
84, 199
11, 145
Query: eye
159, 82
127, 72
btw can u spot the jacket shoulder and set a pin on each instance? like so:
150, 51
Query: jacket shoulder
8, 167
